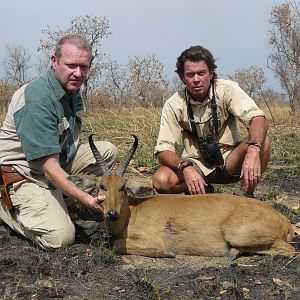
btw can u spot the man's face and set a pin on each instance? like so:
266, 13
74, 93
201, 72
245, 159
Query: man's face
72, 67
197, 77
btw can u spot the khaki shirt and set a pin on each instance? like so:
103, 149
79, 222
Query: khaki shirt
233, 105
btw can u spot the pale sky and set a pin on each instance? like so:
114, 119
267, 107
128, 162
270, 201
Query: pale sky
235, 31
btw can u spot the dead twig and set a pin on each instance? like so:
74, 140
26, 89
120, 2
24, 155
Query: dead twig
291, 261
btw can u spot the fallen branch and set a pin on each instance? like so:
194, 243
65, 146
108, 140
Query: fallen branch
291, 261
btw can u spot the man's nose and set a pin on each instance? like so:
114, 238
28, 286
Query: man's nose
77, 71
196, 77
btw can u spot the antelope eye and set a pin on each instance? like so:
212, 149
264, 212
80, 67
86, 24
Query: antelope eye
102, 187
121, 189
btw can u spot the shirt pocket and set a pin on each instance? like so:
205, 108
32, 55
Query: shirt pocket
63, 125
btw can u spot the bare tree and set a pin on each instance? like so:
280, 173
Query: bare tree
17, 65
250, 80
43, 61
141, 79
117, 81
285, 41
6, 92
177, 84
94, 29
146, 73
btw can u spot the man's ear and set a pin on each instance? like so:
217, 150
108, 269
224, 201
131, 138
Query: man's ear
83, 181
53, 62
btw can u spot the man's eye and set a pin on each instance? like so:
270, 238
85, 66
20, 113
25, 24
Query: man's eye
72, 66
190, 75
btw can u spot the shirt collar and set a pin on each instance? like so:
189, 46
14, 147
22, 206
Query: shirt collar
54, 83
57, 87
205, 102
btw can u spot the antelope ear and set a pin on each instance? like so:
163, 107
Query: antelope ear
83, 181
138, 189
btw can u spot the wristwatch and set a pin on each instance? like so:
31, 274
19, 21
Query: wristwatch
183, 164
255, 143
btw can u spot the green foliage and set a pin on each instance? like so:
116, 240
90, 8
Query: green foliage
102, 250
153, 287
287, 172
270, 195
285, 144
4, 235
268, 263
291, 214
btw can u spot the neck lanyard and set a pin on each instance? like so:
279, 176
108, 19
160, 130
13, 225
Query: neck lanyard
214, 116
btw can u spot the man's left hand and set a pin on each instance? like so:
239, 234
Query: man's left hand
251, 168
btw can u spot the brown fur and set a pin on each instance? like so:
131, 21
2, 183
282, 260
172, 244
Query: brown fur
210, 224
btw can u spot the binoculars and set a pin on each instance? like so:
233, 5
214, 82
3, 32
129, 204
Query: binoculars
210, 152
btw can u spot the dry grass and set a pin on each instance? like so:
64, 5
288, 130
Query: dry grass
118, 124
280, 114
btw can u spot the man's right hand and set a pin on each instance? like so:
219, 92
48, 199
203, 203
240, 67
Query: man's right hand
194, 181
97, 203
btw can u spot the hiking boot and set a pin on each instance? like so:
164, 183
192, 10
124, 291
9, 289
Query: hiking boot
78, 211
248, 194
88, 227
209, 189
3, 228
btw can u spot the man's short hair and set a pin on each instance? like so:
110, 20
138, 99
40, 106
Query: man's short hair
74, 39
194, 53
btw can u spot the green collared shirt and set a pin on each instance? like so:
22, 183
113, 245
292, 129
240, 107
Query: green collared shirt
39, 123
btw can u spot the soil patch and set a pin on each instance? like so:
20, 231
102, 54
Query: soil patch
91, 270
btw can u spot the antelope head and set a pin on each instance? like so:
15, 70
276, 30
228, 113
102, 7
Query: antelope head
113, 185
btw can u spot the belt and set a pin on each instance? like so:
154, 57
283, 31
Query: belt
8, 175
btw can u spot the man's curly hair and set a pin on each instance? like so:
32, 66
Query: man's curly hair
195, 53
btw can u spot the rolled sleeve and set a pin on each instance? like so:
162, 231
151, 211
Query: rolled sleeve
242, 106
252, 114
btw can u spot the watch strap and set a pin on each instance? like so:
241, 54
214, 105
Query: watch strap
183, 164
255, 143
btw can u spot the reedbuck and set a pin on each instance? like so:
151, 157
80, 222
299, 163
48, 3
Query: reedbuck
166, 225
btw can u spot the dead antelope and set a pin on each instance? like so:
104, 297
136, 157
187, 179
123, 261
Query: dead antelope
166, 225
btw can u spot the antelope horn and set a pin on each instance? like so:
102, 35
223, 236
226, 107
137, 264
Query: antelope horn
124, 164
99, 159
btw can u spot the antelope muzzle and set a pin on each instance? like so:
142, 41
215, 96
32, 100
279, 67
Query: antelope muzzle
112, 215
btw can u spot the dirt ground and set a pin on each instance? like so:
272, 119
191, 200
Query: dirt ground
91, 270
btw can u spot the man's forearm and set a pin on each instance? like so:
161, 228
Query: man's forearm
258, 129
58, 177
169, 159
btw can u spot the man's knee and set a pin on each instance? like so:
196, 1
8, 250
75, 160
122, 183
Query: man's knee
162, 180
109, 152
113, 153
59, 238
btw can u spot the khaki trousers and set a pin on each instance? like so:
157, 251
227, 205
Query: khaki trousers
40, 214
